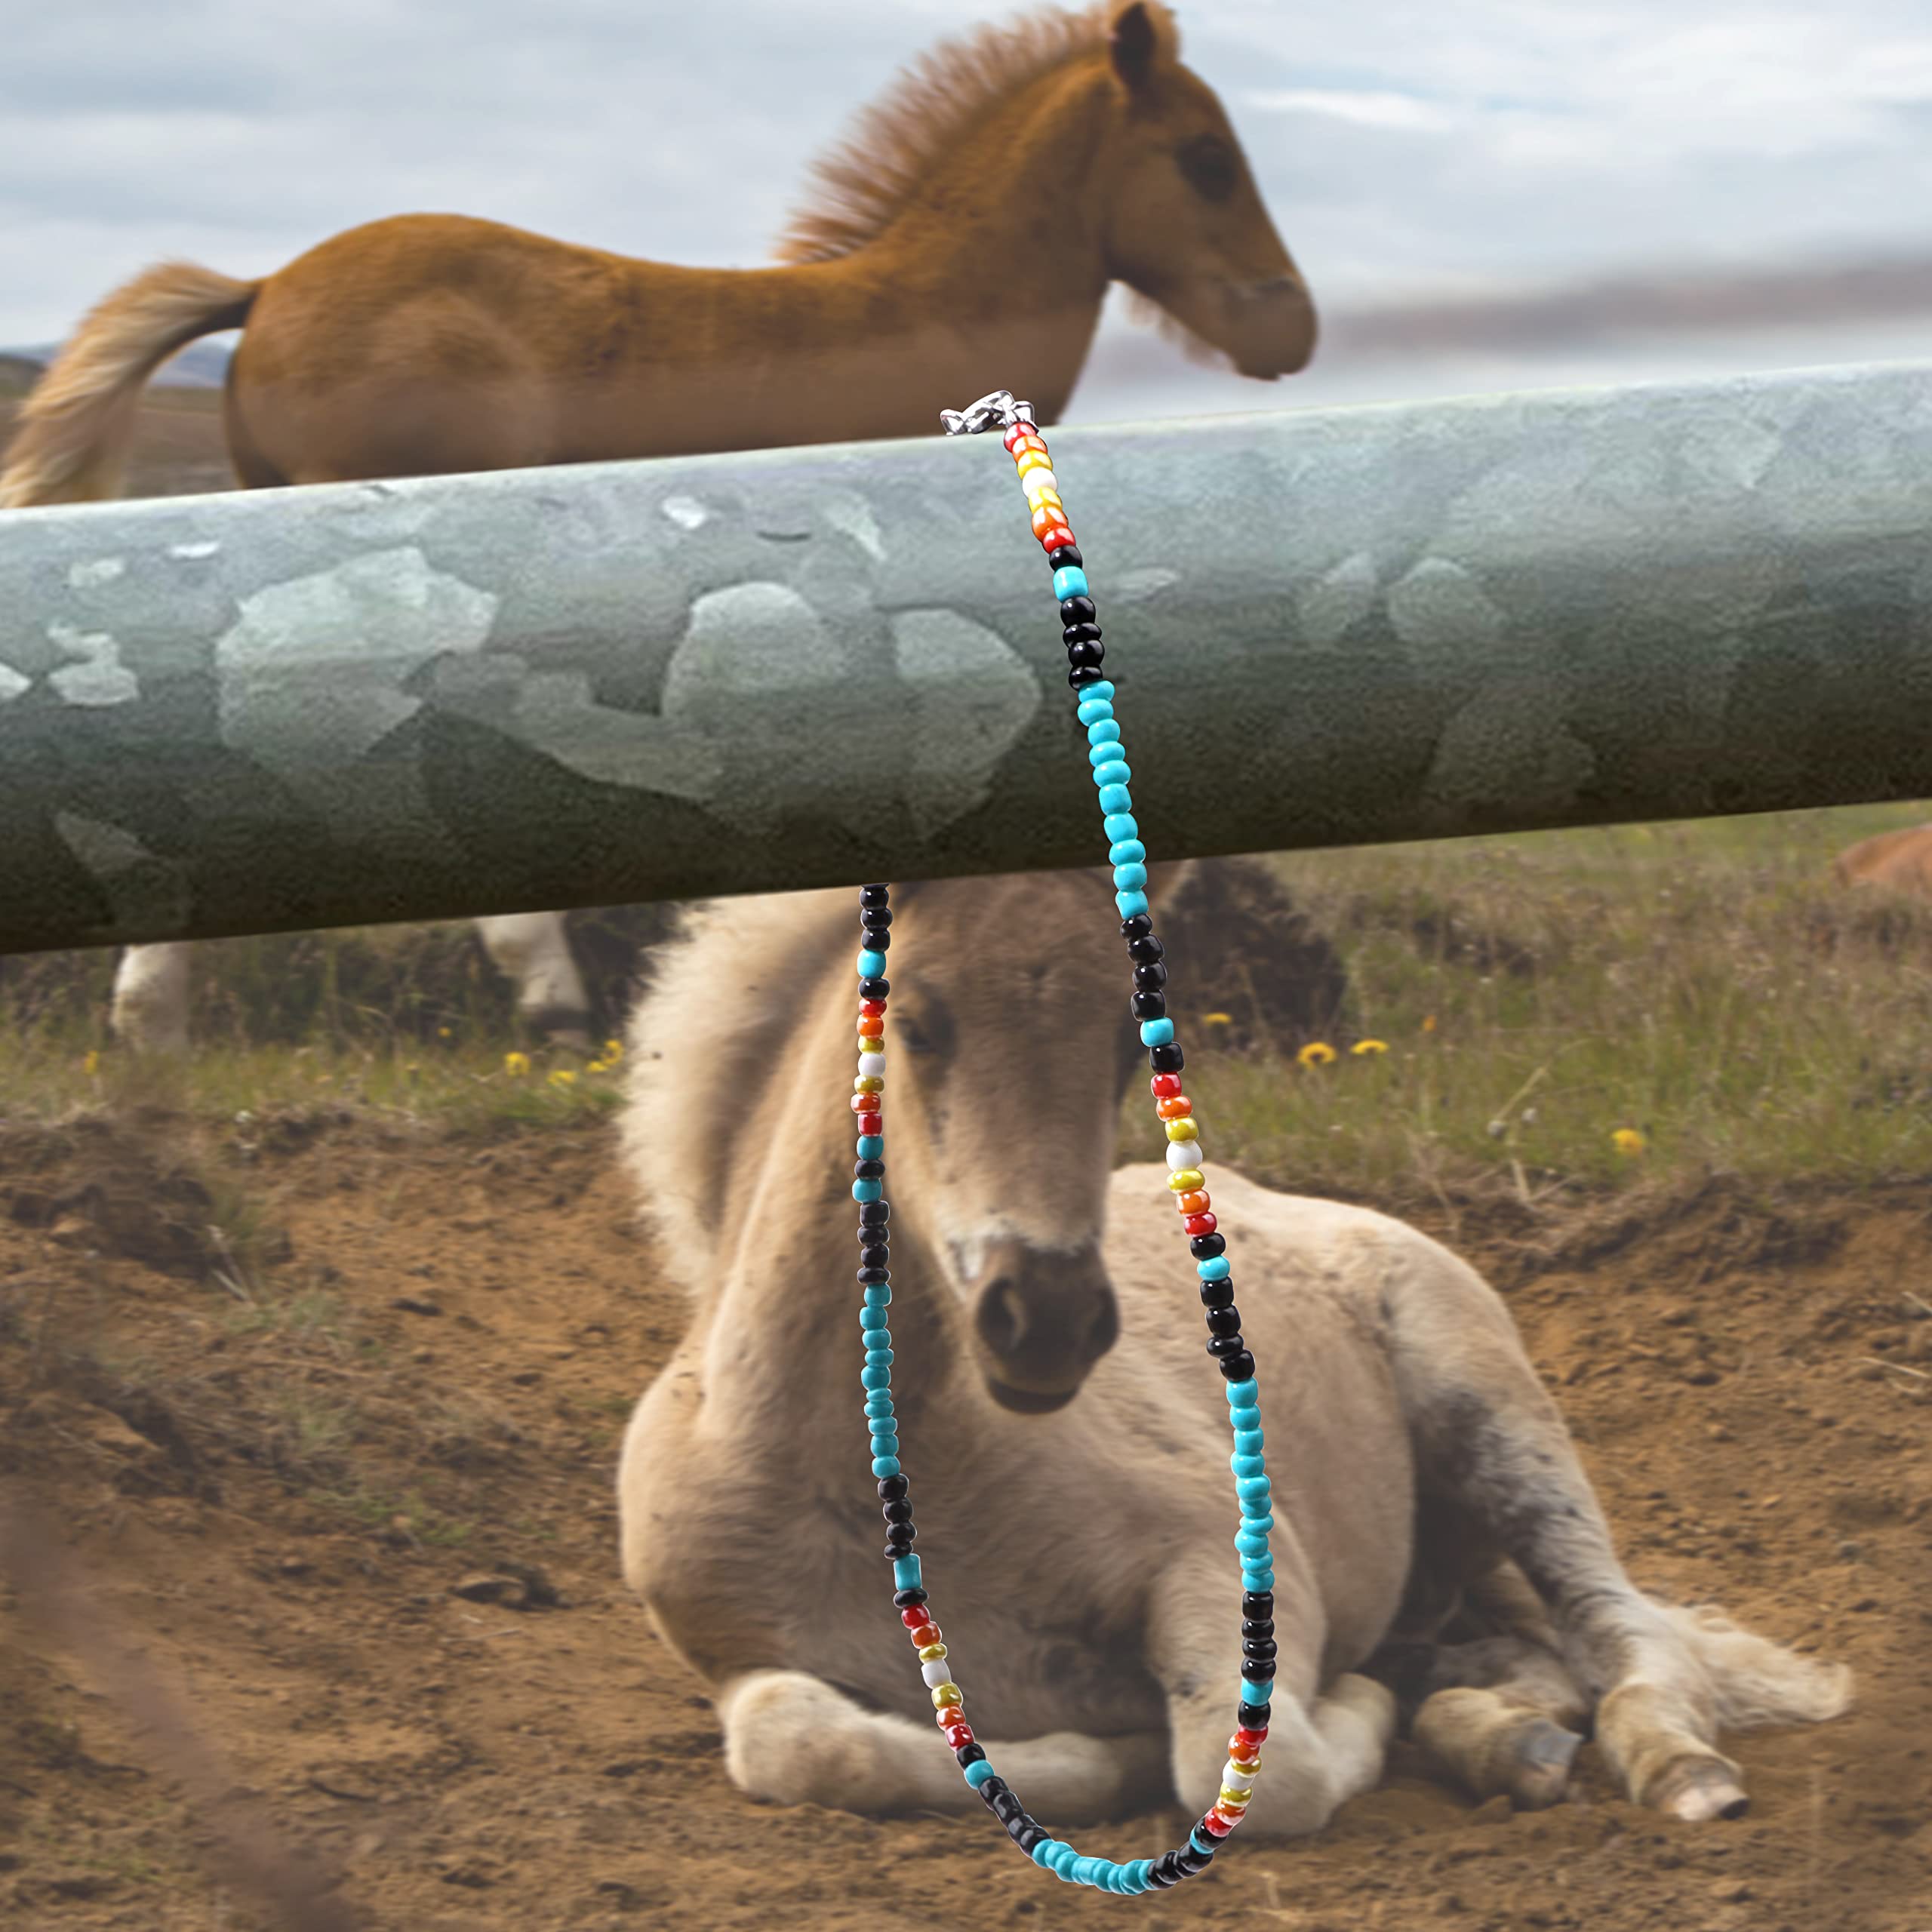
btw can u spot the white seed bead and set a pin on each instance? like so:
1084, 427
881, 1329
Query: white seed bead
1183, 1154
870, 1064
1035, 481
1236, 1779
938, 1672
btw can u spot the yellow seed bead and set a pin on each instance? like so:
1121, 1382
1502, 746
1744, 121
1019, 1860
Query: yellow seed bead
869, 1083
1029, 459
1185, 1180
932, 1654
1048, 499
1183, 1129
1234, 1801
947, 1695
871, 1043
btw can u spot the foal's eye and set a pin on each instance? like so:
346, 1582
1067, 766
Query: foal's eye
913, 1038
1210, 167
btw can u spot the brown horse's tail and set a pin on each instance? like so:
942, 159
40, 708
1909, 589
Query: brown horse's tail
72, 446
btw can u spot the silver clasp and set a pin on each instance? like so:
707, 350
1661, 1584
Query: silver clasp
998, 410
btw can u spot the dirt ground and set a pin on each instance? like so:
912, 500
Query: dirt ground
343, 1478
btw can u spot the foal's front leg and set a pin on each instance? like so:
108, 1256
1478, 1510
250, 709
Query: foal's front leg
1325, 1746
791, 1737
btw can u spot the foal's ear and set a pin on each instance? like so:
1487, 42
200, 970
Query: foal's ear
1141, 41
1168, 882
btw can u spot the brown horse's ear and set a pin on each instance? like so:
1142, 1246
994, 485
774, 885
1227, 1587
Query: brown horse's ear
1141, 41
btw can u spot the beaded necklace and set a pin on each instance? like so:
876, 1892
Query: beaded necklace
1094, 696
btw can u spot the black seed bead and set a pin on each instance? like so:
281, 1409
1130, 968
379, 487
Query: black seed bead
1162, 1875
1253, 1717
874, 1213
891, 1486
897, 1548
1076, 610
899, 1509
1072, 634
1091, 652
874, 988
1167, 1059
1026, 1834
1257, 1670
1238, 1368
1261, 1649
1224, 1321
1138, 927
1151, 977
969, 1753
994, 1788
1145, 949
1006, 1806
1066, 557
874, 916
1205, 1247
876, 942
868, 1170
1149, 1006
1257, 1626
1222, 1347
874, 1253
1191, 1860
906, 1599
874, 895
1217, 1294
874, 1278
1257, 1603
1081, 675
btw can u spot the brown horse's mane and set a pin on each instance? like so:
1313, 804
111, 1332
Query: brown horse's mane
893, 146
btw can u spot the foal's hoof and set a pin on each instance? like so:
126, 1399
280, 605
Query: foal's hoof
1697, 1789
1544, 1753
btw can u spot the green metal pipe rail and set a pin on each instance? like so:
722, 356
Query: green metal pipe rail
613, 683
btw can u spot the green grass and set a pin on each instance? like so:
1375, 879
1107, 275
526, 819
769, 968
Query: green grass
1705, 984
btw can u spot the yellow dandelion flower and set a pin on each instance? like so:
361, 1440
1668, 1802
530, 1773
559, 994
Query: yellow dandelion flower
1217, 1020
1362, 1048
442, 1032
516, 1064
1429, 1022
564, 1076
1317, 1053
613, 1051
1628, 1142
91, 1064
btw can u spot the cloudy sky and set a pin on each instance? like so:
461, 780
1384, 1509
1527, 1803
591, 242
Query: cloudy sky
1410, 154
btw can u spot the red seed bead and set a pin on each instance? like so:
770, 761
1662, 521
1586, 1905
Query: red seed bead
872, 1009
1176, 1106
1251, 1733
916, 1618
1165, 1086
1194, 1202
1019, 432
1057, 538
958, 1735
1199, 1224
871, 1123
868, 1104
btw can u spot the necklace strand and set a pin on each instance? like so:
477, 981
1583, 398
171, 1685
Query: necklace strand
1094, 696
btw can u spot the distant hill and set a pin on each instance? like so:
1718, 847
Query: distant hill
201, 365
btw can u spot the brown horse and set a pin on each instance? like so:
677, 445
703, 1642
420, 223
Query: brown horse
964, 236
1893, 861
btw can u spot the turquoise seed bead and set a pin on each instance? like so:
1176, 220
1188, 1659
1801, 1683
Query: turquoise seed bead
1104, 730
1131, 904
1070, 581
885, 1445
1082, 1873
1247, 1441
1115, 771
1042, 1852
886, 1466
872, 1317
1155, 1033
1243, 1394
1100, 693
871, 1147
867, 1190
905, 1569
1245, 1418
1246, 1486
1130, 877
1127, 852
1120, 825
977, 1774
871, 965
1260, 1577
878, 1356
875, 1378
1202, 1842
1247, 1466
1260, 1691
1249, 1543
1116, 798
1214, 1268
1095, 710
1142, 1868
877, 1293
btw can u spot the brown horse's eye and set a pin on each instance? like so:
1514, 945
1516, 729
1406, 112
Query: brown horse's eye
1210, 167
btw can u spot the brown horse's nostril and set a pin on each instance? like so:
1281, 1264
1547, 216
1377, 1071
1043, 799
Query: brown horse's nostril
1002, 1318
1043, 1320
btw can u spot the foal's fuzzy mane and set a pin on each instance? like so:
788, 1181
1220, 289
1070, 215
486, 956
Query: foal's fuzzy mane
893, 146
705, 1037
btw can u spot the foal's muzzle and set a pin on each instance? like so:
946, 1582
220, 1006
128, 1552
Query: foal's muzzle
1274, 326
1042, 1322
